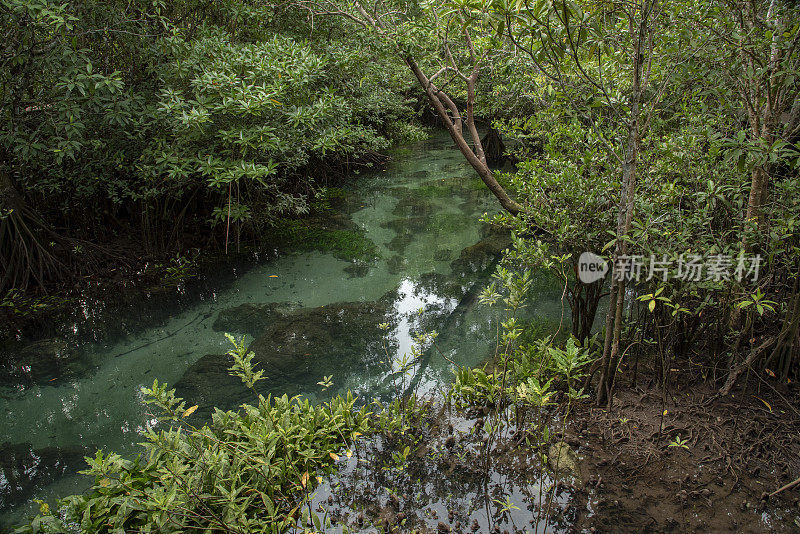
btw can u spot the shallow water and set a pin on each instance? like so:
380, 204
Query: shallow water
421, 212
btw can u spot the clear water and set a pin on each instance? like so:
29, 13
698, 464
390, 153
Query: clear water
421, 211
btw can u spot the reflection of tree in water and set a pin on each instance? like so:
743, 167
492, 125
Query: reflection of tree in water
448, 477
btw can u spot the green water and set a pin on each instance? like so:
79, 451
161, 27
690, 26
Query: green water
421, 212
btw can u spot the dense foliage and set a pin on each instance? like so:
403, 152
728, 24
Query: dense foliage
245, 471
133, 122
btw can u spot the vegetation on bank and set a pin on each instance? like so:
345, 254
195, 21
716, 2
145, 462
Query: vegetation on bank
649, 131
147, 128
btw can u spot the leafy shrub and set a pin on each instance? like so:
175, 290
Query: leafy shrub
246, 471
474, 387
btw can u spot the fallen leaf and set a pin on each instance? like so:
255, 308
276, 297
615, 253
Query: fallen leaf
765, 403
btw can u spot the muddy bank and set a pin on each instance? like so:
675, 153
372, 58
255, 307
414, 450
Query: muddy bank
702, 466
601, 473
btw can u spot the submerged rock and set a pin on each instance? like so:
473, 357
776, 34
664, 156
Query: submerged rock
44, 362
396, 264
563, 460
476, 257
297, 346
249, 318
357, 269
208, 384
409, 225
400, 242
315, 341
442, 254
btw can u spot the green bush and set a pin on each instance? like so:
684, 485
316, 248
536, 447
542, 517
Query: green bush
245, 471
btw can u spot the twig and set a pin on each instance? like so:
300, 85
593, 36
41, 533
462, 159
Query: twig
790, 485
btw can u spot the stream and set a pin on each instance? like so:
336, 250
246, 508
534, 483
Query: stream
307, 314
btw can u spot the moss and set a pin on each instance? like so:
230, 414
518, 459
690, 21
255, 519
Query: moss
329, 199
303, 235
445, 223
443, 254
474, 183
434, 191
400, 242
357, 269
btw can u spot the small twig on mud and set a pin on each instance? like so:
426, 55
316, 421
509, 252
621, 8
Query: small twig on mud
788, 486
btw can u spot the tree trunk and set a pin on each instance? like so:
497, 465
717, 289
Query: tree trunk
611, 344
475, 158
584, 300
493, 147
755, 202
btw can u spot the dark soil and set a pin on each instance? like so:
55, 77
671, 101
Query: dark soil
737, 449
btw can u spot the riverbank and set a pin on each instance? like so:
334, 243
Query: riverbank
707, 465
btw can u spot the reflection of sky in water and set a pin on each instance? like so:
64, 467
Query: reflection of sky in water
413, 298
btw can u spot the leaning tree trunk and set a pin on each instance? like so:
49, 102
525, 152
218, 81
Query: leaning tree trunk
475, 157
441, 103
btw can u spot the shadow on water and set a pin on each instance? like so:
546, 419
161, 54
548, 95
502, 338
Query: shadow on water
306, 314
